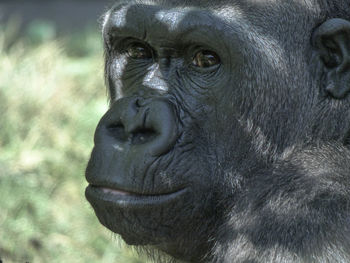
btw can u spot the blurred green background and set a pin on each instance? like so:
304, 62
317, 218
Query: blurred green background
51, 97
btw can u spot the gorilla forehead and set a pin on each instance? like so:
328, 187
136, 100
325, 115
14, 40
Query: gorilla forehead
167, 13
177, 3
227, 5
170, 25
206, 3
225, 16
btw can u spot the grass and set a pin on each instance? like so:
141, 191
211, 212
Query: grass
51, 98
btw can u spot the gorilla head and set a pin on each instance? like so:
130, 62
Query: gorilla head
227, 135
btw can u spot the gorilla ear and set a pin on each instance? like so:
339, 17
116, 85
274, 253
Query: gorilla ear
332, 41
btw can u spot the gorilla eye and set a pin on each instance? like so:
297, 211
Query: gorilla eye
139, 51
205, 59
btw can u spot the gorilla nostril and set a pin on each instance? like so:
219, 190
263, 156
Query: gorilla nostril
139, 135
143, 135
118, 132
139, 123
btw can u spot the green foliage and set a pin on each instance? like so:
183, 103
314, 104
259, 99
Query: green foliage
51, 97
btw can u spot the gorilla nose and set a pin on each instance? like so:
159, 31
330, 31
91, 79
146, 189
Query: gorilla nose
139, 124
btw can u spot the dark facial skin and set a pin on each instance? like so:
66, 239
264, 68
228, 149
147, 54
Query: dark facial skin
228, 131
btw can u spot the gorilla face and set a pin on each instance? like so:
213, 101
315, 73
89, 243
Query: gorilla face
152, 173
204, 97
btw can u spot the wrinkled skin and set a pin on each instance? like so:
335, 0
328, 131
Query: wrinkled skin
227, 136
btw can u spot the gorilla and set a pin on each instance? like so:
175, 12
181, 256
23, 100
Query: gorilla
227, 138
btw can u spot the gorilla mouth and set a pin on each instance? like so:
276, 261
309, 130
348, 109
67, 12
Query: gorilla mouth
129, 199
114, 191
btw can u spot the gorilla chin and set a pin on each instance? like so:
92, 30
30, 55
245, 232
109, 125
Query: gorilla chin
227, 134
109, 202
